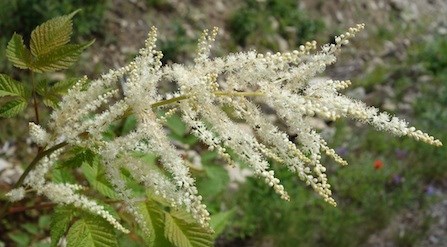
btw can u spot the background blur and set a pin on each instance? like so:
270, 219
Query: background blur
393, 193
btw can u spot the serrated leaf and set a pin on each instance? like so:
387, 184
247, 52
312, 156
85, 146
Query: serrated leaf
60, 221
153, 216
11, 87
91, 231
219, 221
13, 107
61, 87
51, 34
17, 53
59, 58
97, 179
63, 175
184, 234
51, 94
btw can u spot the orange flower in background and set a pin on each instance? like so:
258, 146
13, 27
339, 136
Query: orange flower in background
378, 164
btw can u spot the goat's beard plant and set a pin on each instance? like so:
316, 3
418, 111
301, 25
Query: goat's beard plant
241, 82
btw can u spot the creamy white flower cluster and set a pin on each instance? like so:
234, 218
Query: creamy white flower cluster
241, 82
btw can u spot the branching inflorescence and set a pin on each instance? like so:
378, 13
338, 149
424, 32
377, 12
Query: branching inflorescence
241, 82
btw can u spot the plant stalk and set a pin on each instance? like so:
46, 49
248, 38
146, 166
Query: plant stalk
36, 108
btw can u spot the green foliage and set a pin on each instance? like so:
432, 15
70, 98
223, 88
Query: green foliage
153, 217
78, 157
95, 174
13, 108
24, 15
60, 221
255, 20
184, 232
17, 53
91, 231
16, 96
220, 221
51, 94
172, 228
49, 49
11, 87
21, 239
60, 30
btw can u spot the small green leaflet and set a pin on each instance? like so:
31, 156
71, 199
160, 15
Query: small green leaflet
13, 108
12, 88
60, 221
182, 232
17, 53
91, 231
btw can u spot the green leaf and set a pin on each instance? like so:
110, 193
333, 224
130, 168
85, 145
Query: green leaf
63, 175
51, 35
17, 53
183, 233
153, 215
96, 177
60, 221
31, 228
20, 238
216, 181
79, 156
59, 58
11, 87
44, 221
176, 125
62, 87
91, 231
219, 221
13, 107
51, 94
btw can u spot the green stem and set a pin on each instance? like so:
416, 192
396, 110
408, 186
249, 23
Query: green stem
36, 108
217, 93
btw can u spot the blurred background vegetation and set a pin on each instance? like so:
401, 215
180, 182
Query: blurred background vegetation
393, 193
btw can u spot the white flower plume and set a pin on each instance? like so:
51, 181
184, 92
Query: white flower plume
241, 81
